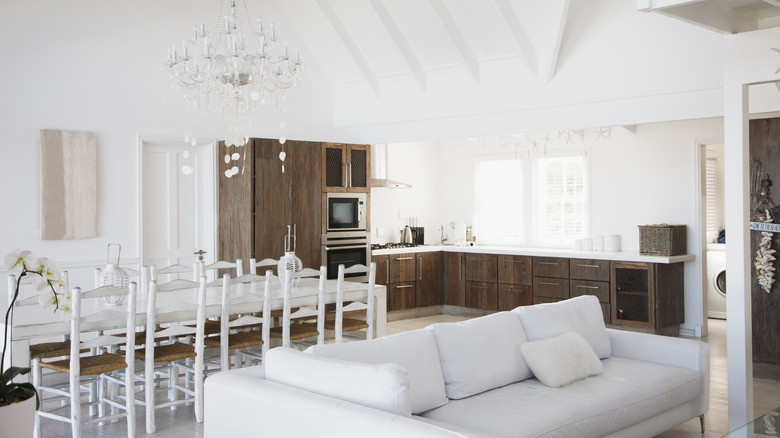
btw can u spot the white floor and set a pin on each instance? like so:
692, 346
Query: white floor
181, 423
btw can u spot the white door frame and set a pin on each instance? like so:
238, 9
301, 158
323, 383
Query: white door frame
207, 178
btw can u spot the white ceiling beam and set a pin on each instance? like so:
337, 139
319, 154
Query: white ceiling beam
400, 41
547, 70
517, 32
775, 3
457, 38
629, 128
315, 70
349, 43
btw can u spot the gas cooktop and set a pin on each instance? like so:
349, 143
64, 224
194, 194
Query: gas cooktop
392, 245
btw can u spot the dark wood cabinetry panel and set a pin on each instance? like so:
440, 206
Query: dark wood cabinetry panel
648, 295
515, 269
303, 164
669, 295
401, 296
455, 279
382, 269
482, 295
551, 287
586, 287
346, 168
430, 279
402, 268
482, 267
514, 295
551, 267
236, 211
596, 270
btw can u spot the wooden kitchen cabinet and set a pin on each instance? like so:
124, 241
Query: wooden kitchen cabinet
346, 168
430, 279
482, 267
455, 278
482, 295
402, 268
648, 296
514, 295
591, 277
401, 296
515, 269
256, 206
382, 269
555, 267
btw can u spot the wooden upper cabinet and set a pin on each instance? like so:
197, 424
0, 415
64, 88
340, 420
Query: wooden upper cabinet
346, 167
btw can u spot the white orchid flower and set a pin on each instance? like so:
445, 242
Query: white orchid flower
20, 259
47, 298
67, 310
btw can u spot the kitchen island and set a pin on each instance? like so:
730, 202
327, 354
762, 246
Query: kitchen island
636, 291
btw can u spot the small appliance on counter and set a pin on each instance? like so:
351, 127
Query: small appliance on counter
418, 235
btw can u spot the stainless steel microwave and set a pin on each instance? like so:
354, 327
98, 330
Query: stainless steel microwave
345, 212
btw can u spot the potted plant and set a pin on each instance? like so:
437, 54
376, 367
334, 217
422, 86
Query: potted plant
20, 399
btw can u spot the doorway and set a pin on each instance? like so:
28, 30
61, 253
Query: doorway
713, 199
177, 211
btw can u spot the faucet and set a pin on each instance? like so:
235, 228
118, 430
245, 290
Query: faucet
443, 234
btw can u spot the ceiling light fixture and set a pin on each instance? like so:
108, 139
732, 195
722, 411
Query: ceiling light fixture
238, 68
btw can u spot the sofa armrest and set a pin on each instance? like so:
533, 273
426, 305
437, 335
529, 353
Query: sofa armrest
241, 403
665, 350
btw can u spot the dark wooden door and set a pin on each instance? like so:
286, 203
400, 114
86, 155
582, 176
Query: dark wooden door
514, 295
271, 201
482, 267
430, 279
455, 279
382, 269
303, 165
236, 208
401, 296
514, 269
334, 167
358, 167
402, 268
481, 295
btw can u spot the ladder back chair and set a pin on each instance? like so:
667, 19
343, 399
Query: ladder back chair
341, 323
296, 325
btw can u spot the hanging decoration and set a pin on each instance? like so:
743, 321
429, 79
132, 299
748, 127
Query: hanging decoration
763, 212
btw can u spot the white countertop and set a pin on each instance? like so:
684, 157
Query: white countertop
539, 252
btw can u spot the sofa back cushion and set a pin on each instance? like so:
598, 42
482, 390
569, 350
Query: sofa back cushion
415, 351
380, 386
562, 359
581, 314
480, 354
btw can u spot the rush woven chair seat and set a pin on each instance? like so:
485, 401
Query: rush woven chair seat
48, 350
104, 368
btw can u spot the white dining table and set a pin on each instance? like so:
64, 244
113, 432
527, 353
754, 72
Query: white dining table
33, 322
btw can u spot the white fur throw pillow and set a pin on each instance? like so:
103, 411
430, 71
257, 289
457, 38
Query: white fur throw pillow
561, 360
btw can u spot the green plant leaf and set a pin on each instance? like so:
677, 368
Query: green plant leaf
12, 372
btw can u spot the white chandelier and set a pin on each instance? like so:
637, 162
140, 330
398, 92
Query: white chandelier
236, 67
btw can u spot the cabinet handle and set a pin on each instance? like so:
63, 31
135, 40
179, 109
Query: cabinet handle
404, 286
480, 259
346, 176
549, 284
349, 173
517, 261
479, 287
588, 266
587, 287
405, 258
460, 267
549, 263
387, 267
419, 268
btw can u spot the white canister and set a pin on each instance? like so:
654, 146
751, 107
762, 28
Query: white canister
587, 244
578, 245
598, 243
612, 243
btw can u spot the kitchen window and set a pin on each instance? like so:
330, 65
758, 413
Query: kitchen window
539, 201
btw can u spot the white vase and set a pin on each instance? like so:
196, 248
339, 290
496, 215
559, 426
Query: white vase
18, 419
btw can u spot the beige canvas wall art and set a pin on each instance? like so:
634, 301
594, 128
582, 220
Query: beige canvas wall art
68, 185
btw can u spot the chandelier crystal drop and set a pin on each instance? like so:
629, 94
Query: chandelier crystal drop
238, 67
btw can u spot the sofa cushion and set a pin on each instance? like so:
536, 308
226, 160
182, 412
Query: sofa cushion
627, 393
480, 354
581, 314
415, 351
380, 386
561, 360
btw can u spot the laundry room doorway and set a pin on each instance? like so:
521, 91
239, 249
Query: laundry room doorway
713, 195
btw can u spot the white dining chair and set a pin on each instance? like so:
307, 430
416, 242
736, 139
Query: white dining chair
296, 325
339, 323
235, 269
241, 335
96, 365
164, 355
254, 265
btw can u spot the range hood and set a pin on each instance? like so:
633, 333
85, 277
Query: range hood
379, 169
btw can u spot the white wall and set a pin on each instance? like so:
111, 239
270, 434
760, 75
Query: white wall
641, 178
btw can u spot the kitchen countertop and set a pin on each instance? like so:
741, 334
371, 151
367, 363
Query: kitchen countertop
539, 252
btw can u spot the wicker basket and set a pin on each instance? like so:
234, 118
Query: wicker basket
662, 240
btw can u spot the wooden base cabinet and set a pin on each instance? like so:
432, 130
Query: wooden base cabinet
591, 277
482, 295
648, 296
430, 279
401, 296
514, 295
455, 278
515, 281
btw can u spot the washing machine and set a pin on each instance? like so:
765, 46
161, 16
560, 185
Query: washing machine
716, 281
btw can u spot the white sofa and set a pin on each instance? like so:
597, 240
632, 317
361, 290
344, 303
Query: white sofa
549, 370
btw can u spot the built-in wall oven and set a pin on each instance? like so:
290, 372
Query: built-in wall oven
346, 248
345, 212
